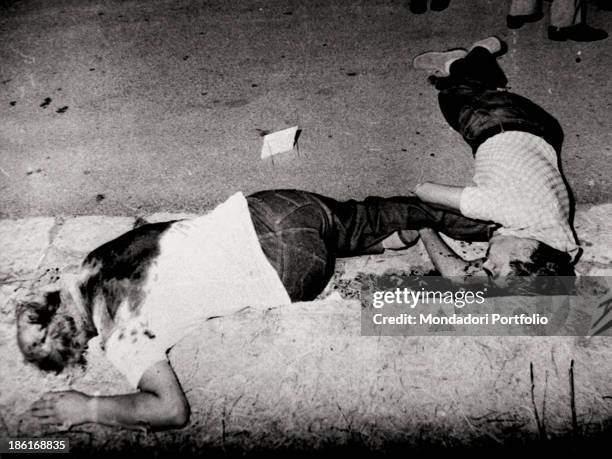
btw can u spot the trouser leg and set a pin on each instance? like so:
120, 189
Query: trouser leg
474, 107
523, 7
478, 68
564, 13
360, 225
294, 233
469, 78
302, 233
478, 114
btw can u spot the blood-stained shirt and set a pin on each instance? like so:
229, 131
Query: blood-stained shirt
206, 267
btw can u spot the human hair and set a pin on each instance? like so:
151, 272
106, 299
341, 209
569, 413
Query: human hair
61, 341
546, 272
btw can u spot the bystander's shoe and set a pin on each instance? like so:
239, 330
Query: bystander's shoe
418, 6
577, 32
605, 5
438, 62
519, 20
439, 5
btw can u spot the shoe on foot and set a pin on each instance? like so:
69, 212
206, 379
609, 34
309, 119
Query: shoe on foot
438, 62
493, 44
439, 5
418, 6
519, 20
604, 5
577, 32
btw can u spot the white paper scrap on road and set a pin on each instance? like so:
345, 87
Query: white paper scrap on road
278, 142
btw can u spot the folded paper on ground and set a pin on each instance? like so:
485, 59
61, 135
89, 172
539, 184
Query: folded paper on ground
279, 142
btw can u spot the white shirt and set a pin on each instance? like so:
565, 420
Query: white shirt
207, 267
519, 186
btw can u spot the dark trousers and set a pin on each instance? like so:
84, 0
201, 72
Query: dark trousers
474, 106
303, 233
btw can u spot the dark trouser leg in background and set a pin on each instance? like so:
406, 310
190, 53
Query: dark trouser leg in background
360, 225
469, 78
479, 68
302, 233
568, 21
474, 107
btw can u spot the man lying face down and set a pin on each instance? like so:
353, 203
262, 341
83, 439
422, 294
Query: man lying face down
517, 182
145, 290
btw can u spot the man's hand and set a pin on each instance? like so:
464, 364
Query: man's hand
448, 263
160, 404
67, 408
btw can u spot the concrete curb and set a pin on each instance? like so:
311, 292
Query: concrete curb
304, 375
31, 244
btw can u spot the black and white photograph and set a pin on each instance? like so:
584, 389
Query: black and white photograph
282, 228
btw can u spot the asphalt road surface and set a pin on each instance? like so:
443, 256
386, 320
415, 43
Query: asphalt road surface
132, 107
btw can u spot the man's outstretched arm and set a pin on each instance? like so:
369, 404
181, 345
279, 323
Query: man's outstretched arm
450, 265
160, 404
435, 193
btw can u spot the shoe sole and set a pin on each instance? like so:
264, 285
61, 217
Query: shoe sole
498, 48
436, 60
